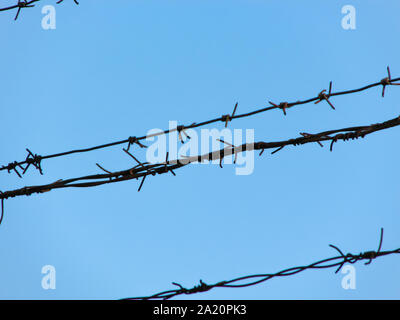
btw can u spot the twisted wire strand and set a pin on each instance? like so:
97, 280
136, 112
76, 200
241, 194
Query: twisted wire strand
35, 160
142, 170
251, 280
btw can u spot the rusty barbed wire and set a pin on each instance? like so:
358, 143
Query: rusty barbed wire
35, 160
251, 280
144, 169
20, 4
25, 4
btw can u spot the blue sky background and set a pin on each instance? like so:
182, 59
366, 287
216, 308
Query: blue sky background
113, 69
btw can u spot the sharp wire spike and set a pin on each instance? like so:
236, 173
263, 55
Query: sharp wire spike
141, 183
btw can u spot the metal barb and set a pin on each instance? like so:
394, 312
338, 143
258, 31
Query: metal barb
134, 158
141, 183
133, 140
181, 129
23, 4
251, 280
387, 82
109, 172
323, 96
145, 169
76, 2
308, 135
227, 118
276, 150
33, 159
233, 149
283, 106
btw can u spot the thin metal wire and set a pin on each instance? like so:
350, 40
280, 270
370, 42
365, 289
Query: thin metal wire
251, 280
36, 159
25, 4
143, 170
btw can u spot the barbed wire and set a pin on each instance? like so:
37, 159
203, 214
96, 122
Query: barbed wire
21, 4
142, 170
251, 280
36, 160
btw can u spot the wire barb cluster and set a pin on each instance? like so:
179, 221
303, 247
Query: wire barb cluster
225, 118
323, 96
31, 159
251, 280
21, 4
144, 169
388, 81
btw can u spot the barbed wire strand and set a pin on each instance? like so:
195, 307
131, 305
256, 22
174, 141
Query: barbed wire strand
251, 280
142, 170
21, 4
35, 160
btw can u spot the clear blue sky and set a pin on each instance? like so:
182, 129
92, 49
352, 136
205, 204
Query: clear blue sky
113, 69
